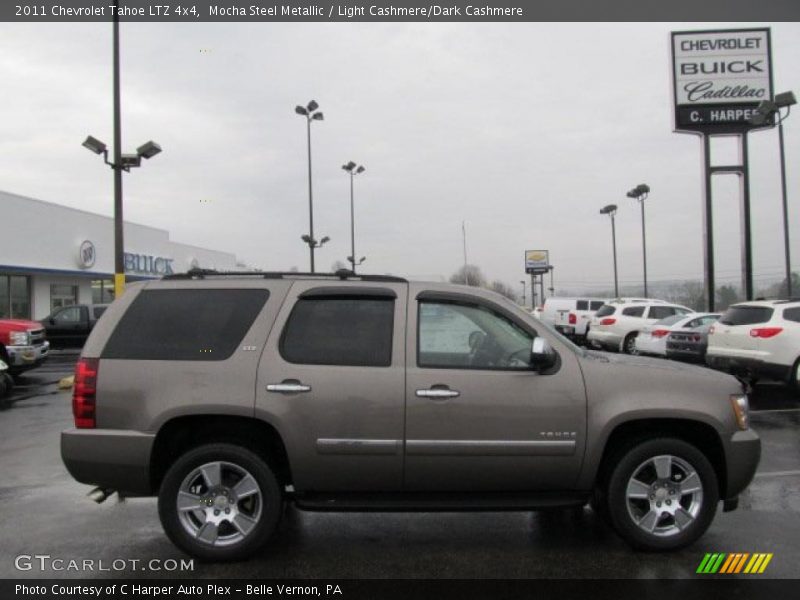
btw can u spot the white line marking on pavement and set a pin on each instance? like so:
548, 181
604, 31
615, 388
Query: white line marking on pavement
778, 473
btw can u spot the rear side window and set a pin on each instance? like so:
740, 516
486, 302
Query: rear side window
792, 314
582, 305
344, 331
746, 315
632, 311
662, 312
595, 304
185, 324
605, 310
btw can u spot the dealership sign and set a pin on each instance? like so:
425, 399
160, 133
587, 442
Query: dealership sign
719, 78
537, 261
146, 264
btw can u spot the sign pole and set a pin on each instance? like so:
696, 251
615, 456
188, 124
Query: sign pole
747, 244
708, 226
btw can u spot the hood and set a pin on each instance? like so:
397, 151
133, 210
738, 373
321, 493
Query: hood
19, 324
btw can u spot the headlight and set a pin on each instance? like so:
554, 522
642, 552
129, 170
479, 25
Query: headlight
741, 408
20, 338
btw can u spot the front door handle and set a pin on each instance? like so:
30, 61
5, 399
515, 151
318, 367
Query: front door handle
438, 392
288, 386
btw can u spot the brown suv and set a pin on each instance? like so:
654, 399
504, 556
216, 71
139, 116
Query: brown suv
228, 394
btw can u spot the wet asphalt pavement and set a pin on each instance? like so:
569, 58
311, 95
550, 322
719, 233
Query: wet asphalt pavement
45, 512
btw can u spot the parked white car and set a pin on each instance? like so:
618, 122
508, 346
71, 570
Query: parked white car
617, 323
758, 340
652, 340
571, 316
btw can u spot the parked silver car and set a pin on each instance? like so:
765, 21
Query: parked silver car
229, 394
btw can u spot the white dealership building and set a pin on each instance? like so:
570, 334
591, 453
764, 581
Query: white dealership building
53, 256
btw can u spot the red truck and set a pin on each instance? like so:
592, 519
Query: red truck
23, 344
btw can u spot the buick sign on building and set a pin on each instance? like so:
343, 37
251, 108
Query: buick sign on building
719, 78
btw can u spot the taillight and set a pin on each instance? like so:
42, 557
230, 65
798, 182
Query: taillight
711, 330
572, 319
765, 332
659, 333
608, 321
83, 393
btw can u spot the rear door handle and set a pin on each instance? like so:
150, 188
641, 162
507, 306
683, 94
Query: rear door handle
289, 386
438, 393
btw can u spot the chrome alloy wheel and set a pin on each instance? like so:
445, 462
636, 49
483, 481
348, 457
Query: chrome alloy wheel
664, 495
219, 503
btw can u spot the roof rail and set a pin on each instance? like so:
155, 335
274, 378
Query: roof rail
341, 274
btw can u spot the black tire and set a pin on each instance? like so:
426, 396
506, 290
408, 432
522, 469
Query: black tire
666, 534
269, 504
629, 345
794, 377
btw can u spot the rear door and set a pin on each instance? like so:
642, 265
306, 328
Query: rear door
732, 331
478, 418
332, 382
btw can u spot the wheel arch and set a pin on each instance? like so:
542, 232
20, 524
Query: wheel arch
181, 434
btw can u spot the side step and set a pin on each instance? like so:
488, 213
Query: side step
438, 502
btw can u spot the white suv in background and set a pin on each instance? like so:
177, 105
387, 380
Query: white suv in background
571, 316
758, 339
617, 323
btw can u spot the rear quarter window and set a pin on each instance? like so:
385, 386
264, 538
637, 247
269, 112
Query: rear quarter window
746, 315
595, 304
582, 305
191, 324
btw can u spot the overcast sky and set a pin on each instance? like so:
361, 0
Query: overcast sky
524, 131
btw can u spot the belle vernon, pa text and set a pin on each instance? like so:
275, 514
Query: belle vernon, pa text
168, 591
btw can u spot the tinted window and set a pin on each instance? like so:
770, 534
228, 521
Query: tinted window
185, 324
455, 335
348, 331
98, 311
582, 305
792, 314
596, 304
632, 311
68, 315
746, 315
661, 312
605, 310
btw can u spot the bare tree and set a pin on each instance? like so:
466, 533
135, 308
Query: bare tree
338, 265
469, 275
504, 289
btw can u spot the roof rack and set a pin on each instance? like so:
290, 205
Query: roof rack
341, 274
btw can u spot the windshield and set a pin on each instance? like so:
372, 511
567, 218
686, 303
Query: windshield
746, 315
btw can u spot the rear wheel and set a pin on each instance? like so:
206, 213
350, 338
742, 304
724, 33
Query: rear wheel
629, 345
794, 377
662, 495
219, 502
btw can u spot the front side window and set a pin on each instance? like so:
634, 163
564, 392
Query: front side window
185, 324
453, 335
68, 315
342, 331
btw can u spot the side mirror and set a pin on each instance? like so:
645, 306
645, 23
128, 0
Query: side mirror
543, 356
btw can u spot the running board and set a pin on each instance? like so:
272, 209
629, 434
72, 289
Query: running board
438, 502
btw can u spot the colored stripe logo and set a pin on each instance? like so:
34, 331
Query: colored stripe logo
733, 563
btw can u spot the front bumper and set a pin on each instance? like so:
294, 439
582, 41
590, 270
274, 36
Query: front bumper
742, 454
21, 358
115, 459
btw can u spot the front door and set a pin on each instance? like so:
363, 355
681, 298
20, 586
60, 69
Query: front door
478, 417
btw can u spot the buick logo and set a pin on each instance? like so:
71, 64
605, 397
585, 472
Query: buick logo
86, 255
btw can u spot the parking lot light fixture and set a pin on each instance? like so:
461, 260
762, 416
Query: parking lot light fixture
95, 145
353, 169
611, 211
766, 110
309, 111
640, 193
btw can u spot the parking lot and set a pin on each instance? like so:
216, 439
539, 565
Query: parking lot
47, 513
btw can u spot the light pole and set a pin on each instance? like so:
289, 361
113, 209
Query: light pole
121, 162
311, 113
353, 170
522, 281
611, 210
640, 193
764, 112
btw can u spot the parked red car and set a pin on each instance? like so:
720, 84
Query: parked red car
23, 344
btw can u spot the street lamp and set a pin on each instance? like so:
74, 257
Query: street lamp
352, 169
310, 112
764, 113
312, 243
611, 210
522, 281
640, 193
121, 162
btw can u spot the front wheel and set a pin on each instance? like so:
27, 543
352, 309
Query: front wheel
219, 502
662, 495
